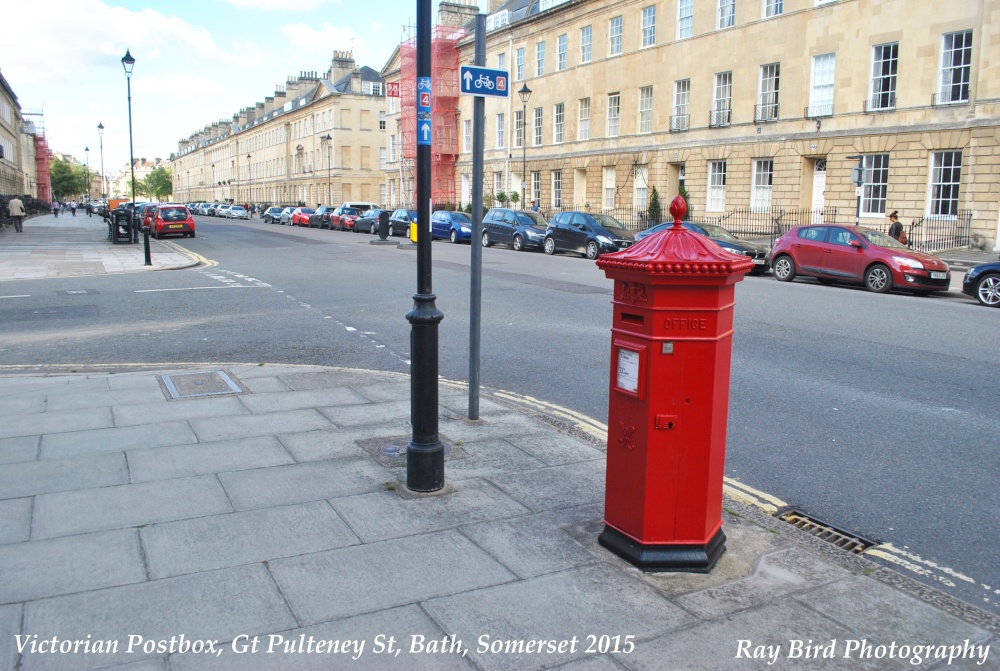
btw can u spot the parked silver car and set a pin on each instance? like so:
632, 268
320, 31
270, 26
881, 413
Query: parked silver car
237, 212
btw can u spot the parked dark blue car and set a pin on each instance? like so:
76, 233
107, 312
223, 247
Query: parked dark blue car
521, 229
454, 226
982, 282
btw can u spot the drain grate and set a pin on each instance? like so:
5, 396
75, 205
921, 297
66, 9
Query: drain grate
827, 532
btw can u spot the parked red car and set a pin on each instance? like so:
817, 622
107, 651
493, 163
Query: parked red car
170, 219
344, 218
300, 216
856, 255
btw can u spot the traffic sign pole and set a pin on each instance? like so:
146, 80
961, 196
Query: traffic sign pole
476, 270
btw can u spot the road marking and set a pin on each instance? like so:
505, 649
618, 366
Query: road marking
18, 296
224, 286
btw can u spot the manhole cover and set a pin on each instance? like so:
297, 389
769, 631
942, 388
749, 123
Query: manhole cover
193, 385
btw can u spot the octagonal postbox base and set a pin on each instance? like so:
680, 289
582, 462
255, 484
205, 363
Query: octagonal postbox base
664, 557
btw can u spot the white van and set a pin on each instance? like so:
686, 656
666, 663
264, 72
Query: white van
361, 207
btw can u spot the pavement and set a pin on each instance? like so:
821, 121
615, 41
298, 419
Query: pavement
253, 516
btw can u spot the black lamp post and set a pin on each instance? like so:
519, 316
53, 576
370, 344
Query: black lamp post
328, 139
128, 63
524, 94
104, 186
86, 151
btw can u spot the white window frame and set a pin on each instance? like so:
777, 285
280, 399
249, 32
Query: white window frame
885, 70
562, 43
875, 191
502, 60
685, 19
519, 64
501, 139
615, 36
557, 188
722, 99
681, 117
467, 134
821, 88
614, 114
772, 8
646, 109
519, 129
382, 158
558, 123
586, 43
726, 14
716, 201
763, 181
649, 26
540, 58
609, 186
945, 184
768, 92
953, 75
537, 135
583, 120
640, 181
392, 149
536, 187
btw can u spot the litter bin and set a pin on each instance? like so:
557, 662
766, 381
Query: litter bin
121, 227
383, 224
413, 231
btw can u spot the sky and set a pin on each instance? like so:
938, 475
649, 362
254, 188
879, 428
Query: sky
195, 62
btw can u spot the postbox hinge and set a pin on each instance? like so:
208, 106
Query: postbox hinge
665, 422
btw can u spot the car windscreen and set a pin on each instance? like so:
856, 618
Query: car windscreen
530, 219
173, 214
880, 239
305, 210
351, 211
237, 209
718, 232
460, 218
610, 223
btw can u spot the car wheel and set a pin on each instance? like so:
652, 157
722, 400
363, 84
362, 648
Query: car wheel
550, 246
592, 251
341, 228
784, 268
988, 291
191, 234
374, 229
878, 279
518, 243
453, 236
486, 239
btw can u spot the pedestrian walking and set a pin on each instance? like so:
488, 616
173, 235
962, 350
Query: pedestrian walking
16, 210
72, 207
534, 206
55, 208
896, 231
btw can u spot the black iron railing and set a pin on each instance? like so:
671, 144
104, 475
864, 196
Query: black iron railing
937, 233
722, 117
765, 112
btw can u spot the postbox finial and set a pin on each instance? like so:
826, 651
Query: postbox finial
678, 208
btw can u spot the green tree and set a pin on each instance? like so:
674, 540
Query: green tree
514, 197
687, 201
159, 183
502, 197
68, 179
655, 210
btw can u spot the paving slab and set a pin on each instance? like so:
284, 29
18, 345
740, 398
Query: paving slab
714, 645
372, 577
556, 486
296, 400
215, 605
776, 574
15, 520
382, 515
589, 601
530, 545
885, 614
261, 385
268, 424
499, 425
490, 457
22, 405
129, 505
180, 461
56, 475
218, 541
118, 439
346, 416
399, 624
103, 398
557, 448
72, 564
23, 448
180, 409
336, 443
298, 483
10, 626
324, 379
54, 422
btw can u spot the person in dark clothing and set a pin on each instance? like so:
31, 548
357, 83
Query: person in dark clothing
895, 228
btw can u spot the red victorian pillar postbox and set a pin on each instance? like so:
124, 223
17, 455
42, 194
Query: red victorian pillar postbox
671, 345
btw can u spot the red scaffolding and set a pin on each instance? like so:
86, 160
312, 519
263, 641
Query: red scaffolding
43, 157
444, 111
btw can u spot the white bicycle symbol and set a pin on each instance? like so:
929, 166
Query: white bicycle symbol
424, 84
484, 81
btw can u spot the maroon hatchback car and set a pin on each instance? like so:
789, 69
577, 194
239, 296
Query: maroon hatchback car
856, 255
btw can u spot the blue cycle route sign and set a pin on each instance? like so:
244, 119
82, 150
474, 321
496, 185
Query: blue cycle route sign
425, 129
477, 81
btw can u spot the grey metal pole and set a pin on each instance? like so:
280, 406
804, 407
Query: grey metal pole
424, 453
476, 270
104, 184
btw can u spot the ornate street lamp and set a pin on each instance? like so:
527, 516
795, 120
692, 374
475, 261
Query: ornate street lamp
329, 165
524, 94
86, 151
104, 186
128, 63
